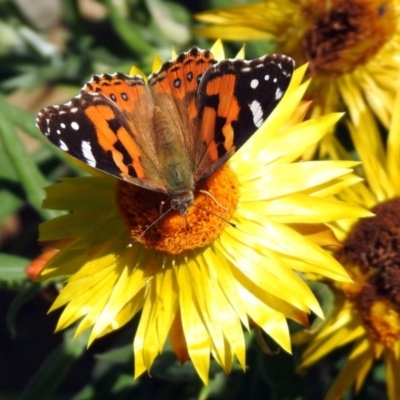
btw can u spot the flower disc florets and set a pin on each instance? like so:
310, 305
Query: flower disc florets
373, 251
346, 34
215, 201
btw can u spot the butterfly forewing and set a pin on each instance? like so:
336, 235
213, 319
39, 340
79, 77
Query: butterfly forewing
101, 127
234, 98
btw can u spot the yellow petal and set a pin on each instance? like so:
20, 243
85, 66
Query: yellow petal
157, 64
197, 338
266, 271
392, 368
360, 356
241, 54
234, 32
221, 269
271, 321
283, 179
218, 50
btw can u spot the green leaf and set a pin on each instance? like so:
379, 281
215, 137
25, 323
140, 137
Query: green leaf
71, 13
18, 302
10, 203
216, 388
11, 193
112, 373
165, 21
326, 298
117, 355
26, 169
12, 268
131, 33
26, 121
166, 366
56, 366
277, 370
88, 392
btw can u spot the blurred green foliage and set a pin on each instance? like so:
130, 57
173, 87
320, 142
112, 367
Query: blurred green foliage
48, 49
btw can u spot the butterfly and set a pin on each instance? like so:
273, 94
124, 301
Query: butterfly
175, 130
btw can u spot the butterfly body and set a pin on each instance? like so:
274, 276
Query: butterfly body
178, 174
175, 130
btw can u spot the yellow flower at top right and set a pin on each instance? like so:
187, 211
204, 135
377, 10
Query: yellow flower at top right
352, 47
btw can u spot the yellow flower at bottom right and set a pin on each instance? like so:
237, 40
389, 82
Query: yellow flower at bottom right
368, 310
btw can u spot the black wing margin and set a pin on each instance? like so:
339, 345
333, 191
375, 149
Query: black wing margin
235, 97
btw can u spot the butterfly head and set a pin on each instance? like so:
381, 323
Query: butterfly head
181, 201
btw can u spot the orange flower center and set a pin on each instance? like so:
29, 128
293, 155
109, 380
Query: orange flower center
372, 254
346, 34
215, 201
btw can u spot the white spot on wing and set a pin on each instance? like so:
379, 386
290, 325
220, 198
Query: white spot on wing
74, 126
256, 109
62, 125
278, 94
87, 153
63, 146
254, 83
266, 77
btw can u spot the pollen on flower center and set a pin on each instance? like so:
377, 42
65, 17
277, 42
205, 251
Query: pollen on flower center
216, 200
346, 34
372, 254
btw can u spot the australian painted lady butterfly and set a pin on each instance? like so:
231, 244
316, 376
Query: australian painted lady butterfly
175, 130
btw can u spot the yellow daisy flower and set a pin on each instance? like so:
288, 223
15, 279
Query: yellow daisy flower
368, 313
236, 265
352, 46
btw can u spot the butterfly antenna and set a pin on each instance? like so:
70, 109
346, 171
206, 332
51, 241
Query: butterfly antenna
215, 215
162, 215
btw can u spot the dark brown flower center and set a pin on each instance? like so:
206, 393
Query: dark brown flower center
346, 34
372, 254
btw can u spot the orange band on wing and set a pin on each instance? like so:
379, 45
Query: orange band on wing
228, 106
133, 149
107, 139
208, 124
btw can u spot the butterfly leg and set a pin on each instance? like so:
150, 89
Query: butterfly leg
162, 204
186, 223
